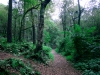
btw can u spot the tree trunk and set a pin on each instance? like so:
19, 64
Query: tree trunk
79, 12
41, 26
23, 23
9, 26
34, 38
33, 28
64, 23
15, 30
64, 18
20, 29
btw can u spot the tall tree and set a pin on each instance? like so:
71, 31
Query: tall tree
33, 28
64, 18
9, 26
41, 25
79, 12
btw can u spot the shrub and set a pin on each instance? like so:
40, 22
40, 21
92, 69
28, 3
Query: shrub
79, 44
27, 49
18, 48
89, 67
18, 65
44, 55
81, 47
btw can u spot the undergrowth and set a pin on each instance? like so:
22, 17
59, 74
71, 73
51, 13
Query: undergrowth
43, 56
89, 67
14, 66
82, 48
27, 50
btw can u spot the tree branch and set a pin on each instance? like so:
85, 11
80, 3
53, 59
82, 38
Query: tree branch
46, 2
28, 11
34, 7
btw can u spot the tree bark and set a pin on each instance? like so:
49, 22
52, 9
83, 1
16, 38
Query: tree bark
41, 26
79, 12
33, 28
15, 30
24, 20
20, 29
9, 26
64, 18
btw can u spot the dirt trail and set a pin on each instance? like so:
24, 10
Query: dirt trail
58, 67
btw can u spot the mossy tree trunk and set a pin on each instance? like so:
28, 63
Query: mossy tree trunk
41, 26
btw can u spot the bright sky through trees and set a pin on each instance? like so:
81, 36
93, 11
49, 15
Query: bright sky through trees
83, 3
5, 2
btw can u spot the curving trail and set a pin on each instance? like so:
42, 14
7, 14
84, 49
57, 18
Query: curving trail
58, 67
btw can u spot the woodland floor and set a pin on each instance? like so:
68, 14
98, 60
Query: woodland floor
58, 67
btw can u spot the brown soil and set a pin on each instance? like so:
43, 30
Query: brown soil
58, 67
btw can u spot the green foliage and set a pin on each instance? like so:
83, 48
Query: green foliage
3, 20
77, 29
3, 40
46, 37
79, 44
66, 46
84, 44
83, 49
43, 56
47, 53
47, 49
18, 48
18, 65
69, 58
51, 33
27, 49
31, 2
89, 31
89, 67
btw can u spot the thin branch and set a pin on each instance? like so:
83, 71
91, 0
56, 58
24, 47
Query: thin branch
28, 11
34, 7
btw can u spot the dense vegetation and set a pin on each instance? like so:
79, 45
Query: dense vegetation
27, 28
81, 43
18, 65
82, 49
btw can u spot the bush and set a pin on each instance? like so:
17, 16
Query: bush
89, 67
44, 55
79, 44
47, 53
83, 49
18, 66
18, 48
27, 49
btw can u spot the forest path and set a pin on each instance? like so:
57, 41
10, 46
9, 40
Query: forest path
58, 67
